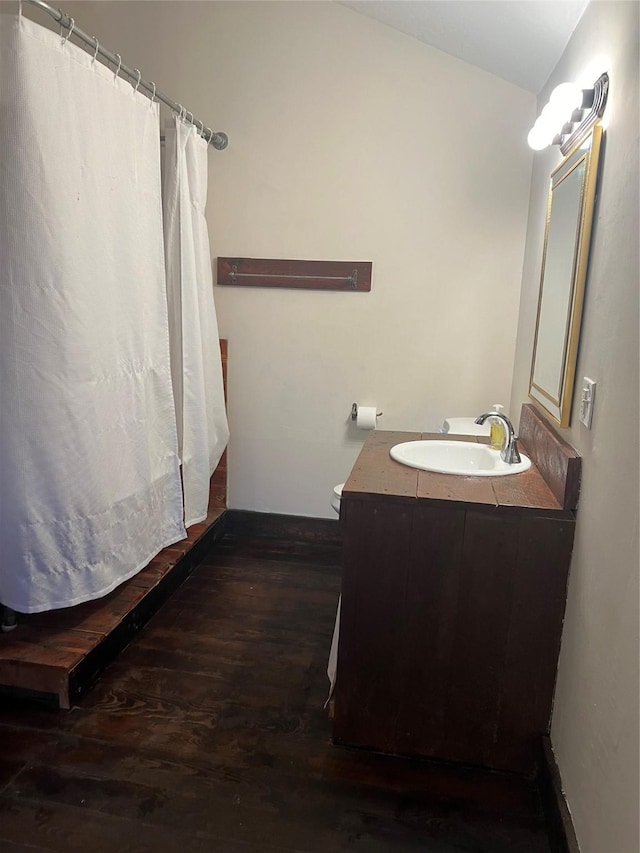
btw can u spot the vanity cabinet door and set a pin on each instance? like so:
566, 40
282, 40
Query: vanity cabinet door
528, 677
483, 627
377, 554
429, 630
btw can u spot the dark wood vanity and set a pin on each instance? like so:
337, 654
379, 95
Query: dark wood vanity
452, 603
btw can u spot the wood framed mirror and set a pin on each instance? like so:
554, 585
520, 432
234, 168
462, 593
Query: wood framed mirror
565, 257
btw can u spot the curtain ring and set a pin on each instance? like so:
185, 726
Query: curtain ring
179, 114
119, 64
137, 70
95, 52
187, 114
210, 136
201, 123
71, 28
153, 96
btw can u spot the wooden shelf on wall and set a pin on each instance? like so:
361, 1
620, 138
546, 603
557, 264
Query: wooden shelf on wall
353, 276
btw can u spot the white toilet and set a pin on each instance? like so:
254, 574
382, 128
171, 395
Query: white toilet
336, 497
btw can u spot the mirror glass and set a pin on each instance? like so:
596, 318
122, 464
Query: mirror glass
564, 266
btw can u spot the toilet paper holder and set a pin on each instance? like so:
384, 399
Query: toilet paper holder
354, 412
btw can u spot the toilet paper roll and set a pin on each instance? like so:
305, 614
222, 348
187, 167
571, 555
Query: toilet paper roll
366, 417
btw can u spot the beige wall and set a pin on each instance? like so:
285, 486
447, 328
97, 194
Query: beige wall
595, 720
349, 141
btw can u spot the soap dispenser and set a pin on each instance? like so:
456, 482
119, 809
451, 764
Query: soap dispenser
497, 436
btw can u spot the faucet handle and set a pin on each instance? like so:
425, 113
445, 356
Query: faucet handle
511, 452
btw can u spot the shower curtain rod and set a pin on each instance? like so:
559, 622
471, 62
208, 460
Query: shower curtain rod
219, 140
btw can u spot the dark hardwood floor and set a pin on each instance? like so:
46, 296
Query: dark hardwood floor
208, 734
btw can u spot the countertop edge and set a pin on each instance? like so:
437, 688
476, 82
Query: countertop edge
375, 474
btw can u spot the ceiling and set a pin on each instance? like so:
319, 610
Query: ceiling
518, 40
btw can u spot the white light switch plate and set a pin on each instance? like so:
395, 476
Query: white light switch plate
586, 401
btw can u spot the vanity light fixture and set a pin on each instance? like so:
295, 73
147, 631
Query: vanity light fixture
569, 114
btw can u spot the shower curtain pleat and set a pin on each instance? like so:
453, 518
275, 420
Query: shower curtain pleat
89, 470
196, 364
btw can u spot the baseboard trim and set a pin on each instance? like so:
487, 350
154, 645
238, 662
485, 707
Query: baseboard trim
266, 525
560, 829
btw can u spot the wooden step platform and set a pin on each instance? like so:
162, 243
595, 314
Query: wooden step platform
57, 655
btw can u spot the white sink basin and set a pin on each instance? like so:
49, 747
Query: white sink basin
456, 457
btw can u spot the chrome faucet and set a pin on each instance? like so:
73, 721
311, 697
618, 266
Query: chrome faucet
509, 452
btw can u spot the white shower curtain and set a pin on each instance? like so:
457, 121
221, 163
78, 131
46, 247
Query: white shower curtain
196, 366
89, 472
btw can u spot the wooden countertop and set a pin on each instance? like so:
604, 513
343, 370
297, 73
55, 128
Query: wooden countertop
375, 473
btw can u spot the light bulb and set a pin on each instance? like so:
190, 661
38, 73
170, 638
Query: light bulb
553, 116
566, 97
548, 124
539, 137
